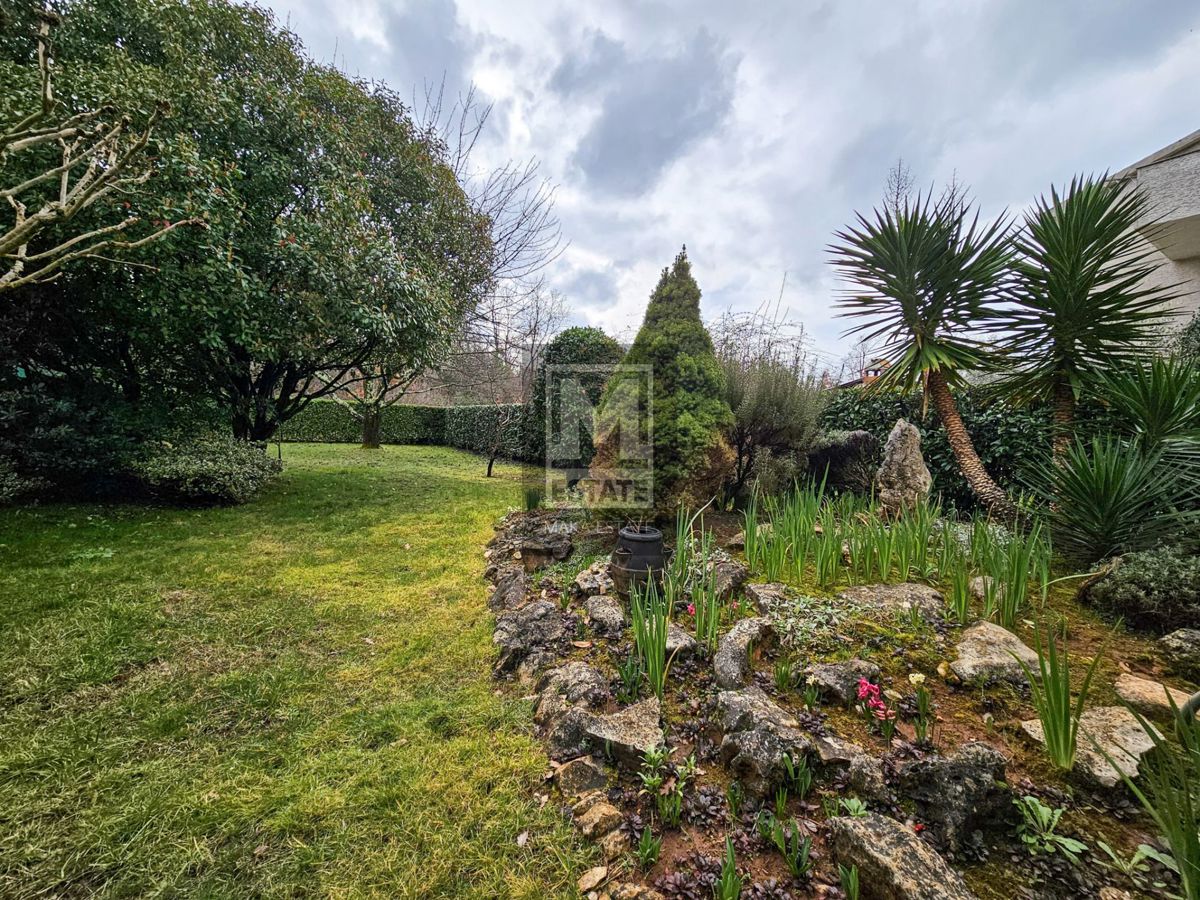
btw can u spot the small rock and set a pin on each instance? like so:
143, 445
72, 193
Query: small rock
680, 644
533, 627
737, 543
1117, 733
763, 596
894, 600
1181, 649
835, 751
613, 845
580, 776
959, 794
978, 586
627, 734
893, 863
903, 478
758, 735
595, 579
840, 680
606, 615
597, 817
985, 654
731, 663
1149, 697
731, 574
512, 584
631, 891
572, 684
592, 879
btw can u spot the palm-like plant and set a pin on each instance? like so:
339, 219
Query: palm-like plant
1085, 305
922, 277
1158, 403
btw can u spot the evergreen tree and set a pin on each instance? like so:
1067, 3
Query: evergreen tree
691, 458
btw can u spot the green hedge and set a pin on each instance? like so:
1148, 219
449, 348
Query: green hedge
466, 427
326, 421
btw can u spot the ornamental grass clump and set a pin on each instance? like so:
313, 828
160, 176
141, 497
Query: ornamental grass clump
1051, 693
651, 615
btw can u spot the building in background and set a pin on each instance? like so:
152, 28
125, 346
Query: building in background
1171, 179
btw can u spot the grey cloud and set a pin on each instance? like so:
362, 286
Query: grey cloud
656, 109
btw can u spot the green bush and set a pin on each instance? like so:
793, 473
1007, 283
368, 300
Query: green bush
206, 470
574, 347
845, 460
327, 421
692, 459
1154, 590
479, 428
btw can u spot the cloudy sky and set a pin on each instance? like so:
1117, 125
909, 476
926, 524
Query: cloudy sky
751, 131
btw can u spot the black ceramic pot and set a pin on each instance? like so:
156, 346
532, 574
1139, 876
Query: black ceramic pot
638, 558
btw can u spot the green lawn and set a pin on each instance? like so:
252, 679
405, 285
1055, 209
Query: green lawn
290, 698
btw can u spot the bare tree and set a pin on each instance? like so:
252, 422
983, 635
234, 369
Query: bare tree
99, 155
898, 188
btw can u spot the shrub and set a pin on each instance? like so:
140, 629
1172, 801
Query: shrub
206, 470
478, 428
326, 421
573, 347
692, 459
845, 460
1154, 590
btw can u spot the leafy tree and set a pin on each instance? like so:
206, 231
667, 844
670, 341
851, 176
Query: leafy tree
922, 279
579, 346
337, 235
1085, 304
692, 459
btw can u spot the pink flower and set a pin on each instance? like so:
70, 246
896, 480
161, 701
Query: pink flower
866, 690
691, 609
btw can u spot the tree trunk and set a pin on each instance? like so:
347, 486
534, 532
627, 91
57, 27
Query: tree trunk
969, 463
491, 462
372, 423
1064, 419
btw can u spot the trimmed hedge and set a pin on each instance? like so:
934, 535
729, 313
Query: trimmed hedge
328, 422
465, 427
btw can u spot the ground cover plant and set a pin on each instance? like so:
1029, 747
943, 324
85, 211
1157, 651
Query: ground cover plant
289, 698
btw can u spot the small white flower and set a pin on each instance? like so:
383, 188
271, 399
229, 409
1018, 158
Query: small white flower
916, 679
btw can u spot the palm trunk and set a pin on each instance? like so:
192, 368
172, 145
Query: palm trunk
1064, 419
990, 494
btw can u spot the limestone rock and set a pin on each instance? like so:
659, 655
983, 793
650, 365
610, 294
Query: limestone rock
512, 584
1181, 649
894, 600
606, 615
597, 817
595, 579
532, 539
613, 845
985, 653
893, 863
680, 644
764, 596
536, 626
1149, 697
840, 680
731, 663
631, 891
572, 684
960, 794
731, 574
758, 735
592, 879
627, 734
903, 478
1118, 734
580, 776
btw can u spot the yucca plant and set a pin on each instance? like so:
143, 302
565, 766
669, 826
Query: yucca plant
1113, 496
922, 277
1051, 693
1087, 302
1155, 403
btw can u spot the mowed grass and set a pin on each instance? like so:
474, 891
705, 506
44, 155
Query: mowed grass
286, 699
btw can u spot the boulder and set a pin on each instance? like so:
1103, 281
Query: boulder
512, 584
595, 579
1116, 731
986, 654
1150, 698
572, 684
606, 615
535, 627
580, 776
892, 600
680, 644
731, 663
731, 574
840, 680
903, 479
758, 735
864, 773
893, 863
1181, 650
959, 795
764, 596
